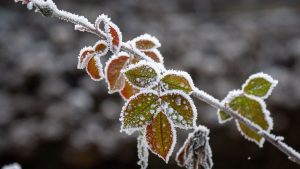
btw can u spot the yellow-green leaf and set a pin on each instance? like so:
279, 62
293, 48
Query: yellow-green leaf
260, 85
161, 136
177, 80
180, 108
139, 110
255, 111
223, 117
142, 75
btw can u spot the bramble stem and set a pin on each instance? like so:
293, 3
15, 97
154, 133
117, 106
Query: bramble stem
49, 9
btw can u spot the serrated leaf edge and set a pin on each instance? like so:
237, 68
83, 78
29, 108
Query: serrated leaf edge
182, 74
114, 49
129, 131
190, 100
266, 77
267, 115
144, 37
141, 63
173, 143
100, 69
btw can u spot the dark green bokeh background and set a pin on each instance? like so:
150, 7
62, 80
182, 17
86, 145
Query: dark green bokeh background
52, 116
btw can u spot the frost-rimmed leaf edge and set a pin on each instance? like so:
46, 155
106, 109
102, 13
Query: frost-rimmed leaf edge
129, 131
184, 74
190, 100
174, 139
141, 63
266, 77
266, 113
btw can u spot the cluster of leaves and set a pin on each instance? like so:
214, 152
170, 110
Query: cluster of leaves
249, 102
157, 100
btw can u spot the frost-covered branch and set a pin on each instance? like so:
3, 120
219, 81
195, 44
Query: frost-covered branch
276, 141
49, 9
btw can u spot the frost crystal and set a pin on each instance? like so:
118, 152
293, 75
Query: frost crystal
12, 166
143, 153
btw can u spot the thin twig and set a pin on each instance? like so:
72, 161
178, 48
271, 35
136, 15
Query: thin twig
49, 9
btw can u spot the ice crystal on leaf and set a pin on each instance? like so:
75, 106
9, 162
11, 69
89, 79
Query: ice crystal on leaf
101, 47
142, 75
139, 110
161, 136
114, 37
180, 108
260, 85
84, 55
177, 80
146, 42
12, 166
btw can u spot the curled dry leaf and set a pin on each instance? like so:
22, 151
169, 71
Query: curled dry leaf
196, 151
101, 47
114, 37
84, 55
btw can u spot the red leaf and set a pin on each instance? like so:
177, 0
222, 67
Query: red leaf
161, 136
101, 47
94, 69
128, 91
114, 37
84, 55
114, 76
154, 55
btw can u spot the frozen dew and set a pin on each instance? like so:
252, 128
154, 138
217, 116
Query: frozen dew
178, 101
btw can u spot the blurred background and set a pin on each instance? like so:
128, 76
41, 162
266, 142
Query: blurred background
53, 116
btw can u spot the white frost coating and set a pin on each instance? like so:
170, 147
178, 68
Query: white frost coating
266, 77
80, 28
82, 65
231, 95
174, 141
147, 64
115, 48
12, 166
99, 67
158, 54
159, 66
183, 74
190, 101
30, 6
234, 94
148, 38
143, 153
129, 131
101, 18
106, 49
121, 74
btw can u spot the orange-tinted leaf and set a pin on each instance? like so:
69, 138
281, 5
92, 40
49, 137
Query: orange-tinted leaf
155, 55
128, 90
94, 69
84, 55
114, 37
101, 47
161, 136
146, 42
114, 76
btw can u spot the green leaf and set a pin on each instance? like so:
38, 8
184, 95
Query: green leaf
180, 108
139, 110
223, 117
260, 85
161, 136
142, 75
177, 80
255, 111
